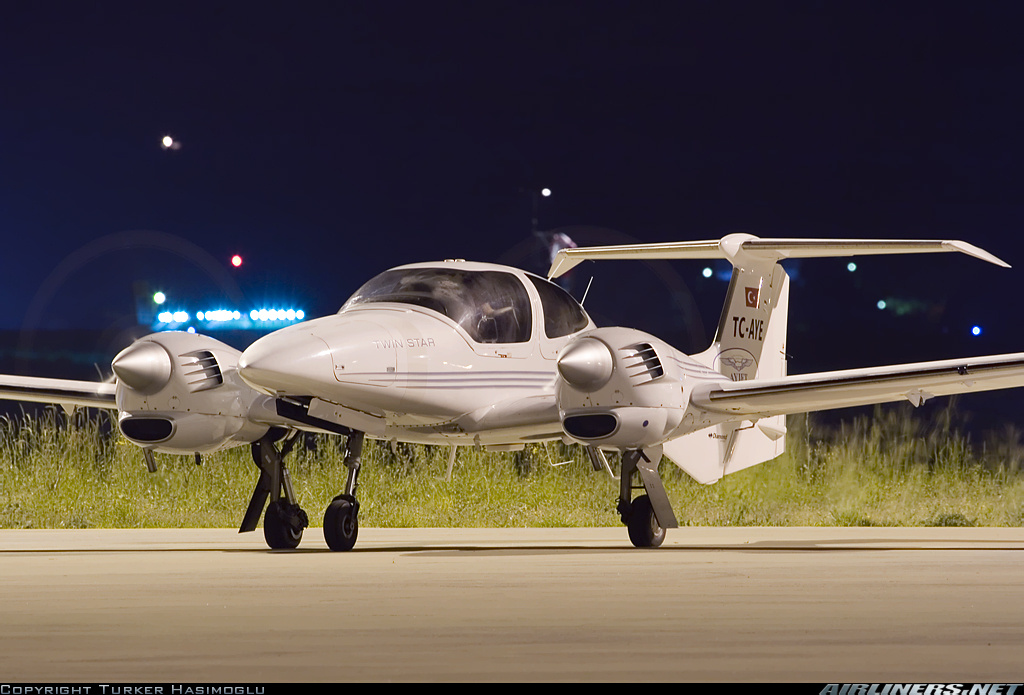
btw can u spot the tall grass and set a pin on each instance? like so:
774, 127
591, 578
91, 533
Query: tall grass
892, 468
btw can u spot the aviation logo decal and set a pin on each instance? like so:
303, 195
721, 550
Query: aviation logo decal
737, 364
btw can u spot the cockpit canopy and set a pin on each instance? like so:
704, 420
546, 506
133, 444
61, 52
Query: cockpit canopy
490, 305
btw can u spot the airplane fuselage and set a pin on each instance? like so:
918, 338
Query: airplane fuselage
396, 369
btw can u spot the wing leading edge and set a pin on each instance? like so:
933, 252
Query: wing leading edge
853, 387
66, 392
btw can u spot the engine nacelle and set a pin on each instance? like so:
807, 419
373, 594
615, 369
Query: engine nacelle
180, 393
620, 388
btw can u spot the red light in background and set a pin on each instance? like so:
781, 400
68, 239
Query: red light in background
236, 260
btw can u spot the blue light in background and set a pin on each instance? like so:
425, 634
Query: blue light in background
229, 318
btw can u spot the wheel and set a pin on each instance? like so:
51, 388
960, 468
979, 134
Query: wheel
341, 523
644, 531
283, 524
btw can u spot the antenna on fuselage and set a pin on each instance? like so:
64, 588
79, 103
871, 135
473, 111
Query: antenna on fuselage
587, 290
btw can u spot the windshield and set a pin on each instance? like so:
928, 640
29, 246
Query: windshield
491, 306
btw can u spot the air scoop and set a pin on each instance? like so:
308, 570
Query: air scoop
586, 364
143, 366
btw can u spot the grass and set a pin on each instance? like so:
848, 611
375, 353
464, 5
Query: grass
895, 468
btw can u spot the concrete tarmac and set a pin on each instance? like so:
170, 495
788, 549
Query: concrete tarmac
826, 605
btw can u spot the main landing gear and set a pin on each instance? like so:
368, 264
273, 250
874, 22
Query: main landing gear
647, 516
285, 520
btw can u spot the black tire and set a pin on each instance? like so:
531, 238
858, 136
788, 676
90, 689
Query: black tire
341, 523
282, 526
644, 531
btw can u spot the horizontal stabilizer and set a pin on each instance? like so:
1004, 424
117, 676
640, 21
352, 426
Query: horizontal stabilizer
746, 248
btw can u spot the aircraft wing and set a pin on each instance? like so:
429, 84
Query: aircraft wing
90, 394
763, 249
841, 389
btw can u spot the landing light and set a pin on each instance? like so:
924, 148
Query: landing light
976, 330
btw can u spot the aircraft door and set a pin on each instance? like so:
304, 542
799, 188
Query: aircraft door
499, 319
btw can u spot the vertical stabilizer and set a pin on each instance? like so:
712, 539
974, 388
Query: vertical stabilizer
709, 454
751, 336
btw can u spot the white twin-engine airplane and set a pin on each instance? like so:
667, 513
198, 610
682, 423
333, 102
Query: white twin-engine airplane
474, 354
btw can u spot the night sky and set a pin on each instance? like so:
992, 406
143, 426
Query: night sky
326, 142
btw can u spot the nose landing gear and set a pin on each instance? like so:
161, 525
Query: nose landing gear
341, 520
285, 519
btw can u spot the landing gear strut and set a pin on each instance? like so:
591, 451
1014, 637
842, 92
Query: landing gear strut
341, 520
285, 520
646, 517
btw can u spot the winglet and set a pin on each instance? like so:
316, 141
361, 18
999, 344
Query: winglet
563, 264
972, 250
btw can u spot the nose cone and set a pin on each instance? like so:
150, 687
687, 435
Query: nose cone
143, 366
586, 364
287, 362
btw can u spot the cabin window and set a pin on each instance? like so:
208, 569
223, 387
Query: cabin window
562, 314
492, 306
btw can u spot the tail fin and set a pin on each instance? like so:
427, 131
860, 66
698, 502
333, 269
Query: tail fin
752, 328
740, 353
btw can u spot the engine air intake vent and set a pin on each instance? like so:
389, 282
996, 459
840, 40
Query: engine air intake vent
642, 363
147, 429
201, 370
591, 425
